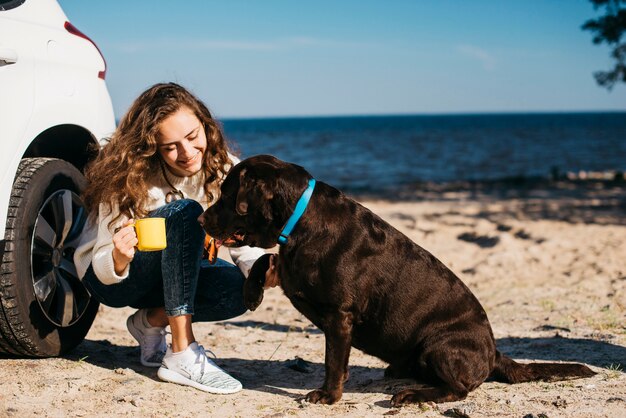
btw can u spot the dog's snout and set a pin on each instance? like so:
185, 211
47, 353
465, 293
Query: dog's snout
201, 220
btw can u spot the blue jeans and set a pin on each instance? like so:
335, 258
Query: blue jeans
175, 278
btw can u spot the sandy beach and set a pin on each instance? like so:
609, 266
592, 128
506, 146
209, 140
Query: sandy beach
547, 263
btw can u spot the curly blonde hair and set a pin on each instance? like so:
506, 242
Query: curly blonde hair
118, 174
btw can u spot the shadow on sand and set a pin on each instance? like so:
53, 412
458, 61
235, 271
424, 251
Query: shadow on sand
592, 352
273, 327
274, 376
271, 376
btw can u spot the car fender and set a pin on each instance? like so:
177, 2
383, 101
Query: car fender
45, 116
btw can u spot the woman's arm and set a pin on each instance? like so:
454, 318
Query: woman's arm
124, 242
103, 262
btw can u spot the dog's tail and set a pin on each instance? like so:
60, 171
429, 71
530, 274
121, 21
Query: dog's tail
508, 371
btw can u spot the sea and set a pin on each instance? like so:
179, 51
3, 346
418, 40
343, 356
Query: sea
383, 154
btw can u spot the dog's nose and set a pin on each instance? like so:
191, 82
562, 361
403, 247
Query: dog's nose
201, 220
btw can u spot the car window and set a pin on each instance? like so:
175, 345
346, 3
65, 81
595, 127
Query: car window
10, 4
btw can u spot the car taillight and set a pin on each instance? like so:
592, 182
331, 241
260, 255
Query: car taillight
74, 31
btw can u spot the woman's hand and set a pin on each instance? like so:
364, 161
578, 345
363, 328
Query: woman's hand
271, 275
124, 242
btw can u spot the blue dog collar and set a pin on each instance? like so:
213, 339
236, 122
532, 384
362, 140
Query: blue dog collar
297, 213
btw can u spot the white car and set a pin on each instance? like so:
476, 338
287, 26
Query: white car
54, 111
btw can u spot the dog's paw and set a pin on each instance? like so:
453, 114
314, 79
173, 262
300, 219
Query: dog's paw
408, 396
322, 396
400, 399
253, 286
252, 294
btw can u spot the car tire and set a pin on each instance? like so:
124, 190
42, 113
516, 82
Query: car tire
45, 310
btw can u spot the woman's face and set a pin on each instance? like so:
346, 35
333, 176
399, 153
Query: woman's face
182, 142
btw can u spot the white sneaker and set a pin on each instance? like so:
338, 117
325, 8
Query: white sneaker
151, 339
192, 367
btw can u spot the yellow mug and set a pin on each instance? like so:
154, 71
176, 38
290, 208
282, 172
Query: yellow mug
150, 234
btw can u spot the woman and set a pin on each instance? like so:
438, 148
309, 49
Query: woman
167, 159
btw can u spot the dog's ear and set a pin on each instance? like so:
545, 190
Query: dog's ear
241, 203
254, 190
267, 193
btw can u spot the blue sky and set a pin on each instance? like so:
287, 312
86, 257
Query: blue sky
293, 58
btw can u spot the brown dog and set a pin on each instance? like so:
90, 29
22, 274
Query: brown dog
365, 284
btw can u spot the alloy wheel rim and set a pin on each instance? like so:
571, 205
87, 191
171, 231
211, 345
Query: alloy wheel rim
56, 234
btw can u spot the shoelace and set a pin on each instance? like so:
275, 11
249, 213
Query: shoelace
217, 376
203, 352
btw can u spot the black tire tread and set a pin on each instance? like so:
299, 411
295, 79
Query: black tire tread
14, 335
13, 339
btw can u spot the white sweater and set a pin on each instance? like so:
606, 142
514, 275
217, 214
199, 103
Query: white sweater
96, 242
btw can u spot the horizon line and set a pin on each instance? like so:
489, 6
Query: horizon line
409, 114
400, 114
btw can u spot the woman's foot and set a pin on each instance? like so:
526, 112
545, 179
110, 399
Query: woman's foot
151, 339
193, 368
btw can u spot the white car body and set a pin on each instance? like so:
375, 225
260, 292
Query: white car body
53, 97
54, 111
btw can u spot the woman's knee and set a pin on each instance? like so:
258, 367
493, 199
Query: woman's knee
184, 233
184, 212
187, 208
191, 208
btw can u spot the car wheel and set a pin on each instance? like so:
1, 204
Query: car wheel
45, 310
